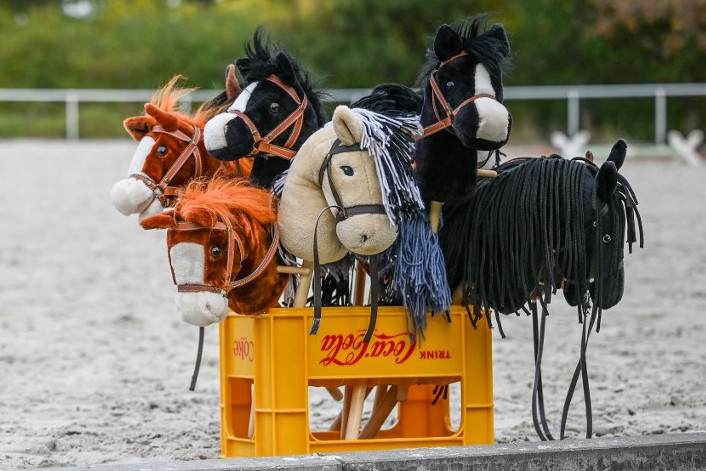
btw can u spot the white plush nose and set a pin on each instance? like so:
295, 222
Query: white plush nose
494, 120
130, 196
201, 309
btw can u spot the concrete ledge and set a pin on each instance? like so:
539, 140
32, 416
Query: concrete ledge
676, 452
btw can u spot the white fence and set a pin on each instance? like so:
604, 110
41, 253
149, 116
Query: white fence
573, 94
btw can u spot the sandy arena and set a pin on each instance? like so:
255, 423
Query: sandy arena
95, 364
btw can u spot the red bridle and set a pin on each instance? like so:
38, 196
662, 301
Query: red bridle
447, 121
295, 119
163, 190
233, 242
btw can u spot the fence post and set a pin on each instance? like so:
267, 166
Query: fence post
71, 101
573, 112
660, 115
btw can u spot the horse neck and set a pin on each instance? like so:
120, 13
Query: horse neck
263, 291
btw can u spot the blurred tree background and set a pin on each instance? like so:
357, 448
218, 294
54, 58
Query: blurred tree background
349, 44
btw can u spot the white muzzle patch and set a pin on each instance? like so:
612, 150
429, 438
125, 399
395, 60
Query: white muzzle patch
201, 308
214, 133
494, 117
130, 196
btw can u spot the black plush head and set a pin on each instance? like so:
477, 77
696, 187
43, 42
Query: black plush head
266, 104
465, 61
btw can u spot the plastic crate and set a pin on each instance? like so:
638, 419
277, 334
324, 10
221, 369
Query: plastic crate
272, 360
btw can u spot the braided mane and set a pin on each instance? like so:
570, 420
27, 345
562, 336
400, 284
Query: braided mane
224, 199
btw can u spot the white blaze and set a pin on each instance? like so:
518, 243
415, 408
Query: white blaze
202, 308
494, 117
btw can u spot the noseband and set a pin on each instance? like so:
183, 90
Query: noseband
447, 121
233, 242
295, 119
162, 190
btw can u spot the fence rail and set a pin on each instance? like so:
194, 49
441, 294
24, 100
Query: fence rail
573, 94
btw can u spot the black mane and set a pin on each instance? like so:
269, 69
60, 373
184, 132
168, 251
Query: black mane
486, 49
261, 53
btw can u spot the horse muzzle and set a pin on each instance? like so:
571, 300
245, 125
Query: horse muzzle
226, 137
366, 234
201, 307
484, 125
132, 196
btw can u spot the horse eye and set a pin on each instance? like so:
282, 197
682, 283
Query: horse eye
215, 252
607, 239
347, 170
162, 150
450, 85
274, 107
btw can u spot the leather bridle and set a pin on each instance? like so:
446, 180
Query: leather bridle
163, 190
234, 242
344, 212
438, 96
294, 120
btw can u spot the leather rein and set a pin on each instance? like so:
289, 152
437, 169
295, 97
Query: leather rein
344, 212
234, 242
438, 96
163, 190
294, 120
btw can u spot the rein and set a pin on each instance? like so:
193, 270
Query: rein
344, 212
438, 96
163, 190
233, 241
295, 119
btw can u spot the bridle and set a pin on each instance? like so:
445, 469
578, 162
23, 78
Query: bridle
163, 190
234, 242
438, 96
295, 119
344, 212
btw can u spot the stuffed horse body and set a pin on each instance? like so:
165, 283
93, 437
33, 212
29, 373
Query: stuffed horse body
222, 243
273, 116
463, 113
171, 151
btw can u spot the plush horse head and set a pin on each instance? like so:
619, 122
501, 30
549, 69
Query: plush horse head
171, 150
541, 225
277, 111
463, 112
341, 183
222, 250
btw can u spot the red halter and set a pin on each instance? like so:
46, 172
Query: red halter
295, 119
163, 190
233, 241
447, 121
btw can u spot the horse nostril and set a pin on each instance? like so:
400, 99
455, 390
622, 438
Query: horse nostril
364, 237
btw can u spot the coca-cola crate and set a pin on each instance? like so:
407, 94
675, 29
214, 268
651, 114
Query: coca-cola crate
269, 362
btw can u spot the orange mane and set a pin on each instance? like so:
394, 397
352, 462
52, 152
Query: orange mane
220, 198
167, 98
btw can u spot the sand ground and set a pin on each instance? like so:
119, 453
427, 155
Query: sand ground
95, 364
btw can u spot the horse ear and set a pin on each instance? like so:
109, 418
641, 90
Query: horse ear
138, 126
232, 86
497, 32
165, 119
617, 153
347, 126
447, 43
606, 181
163, 220
286, 68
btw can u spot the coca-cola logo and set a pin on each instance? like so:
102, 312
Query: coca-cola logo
349, 349
244, 349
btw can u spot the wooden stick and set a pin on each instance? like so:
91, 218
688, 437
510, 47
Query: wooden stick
251, 421
302, 293
293, 270
355, 414
487, 173
380, 414
435, 215
359, 288
335, 393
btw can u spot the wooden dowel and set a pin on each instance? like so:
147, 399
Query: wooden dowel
302, 293
335, 393
435, 215
293, 270
355, 413
380, 414
359, 287
487, 173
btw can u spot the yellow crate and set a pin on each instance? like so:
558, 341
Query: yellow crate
273, 360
